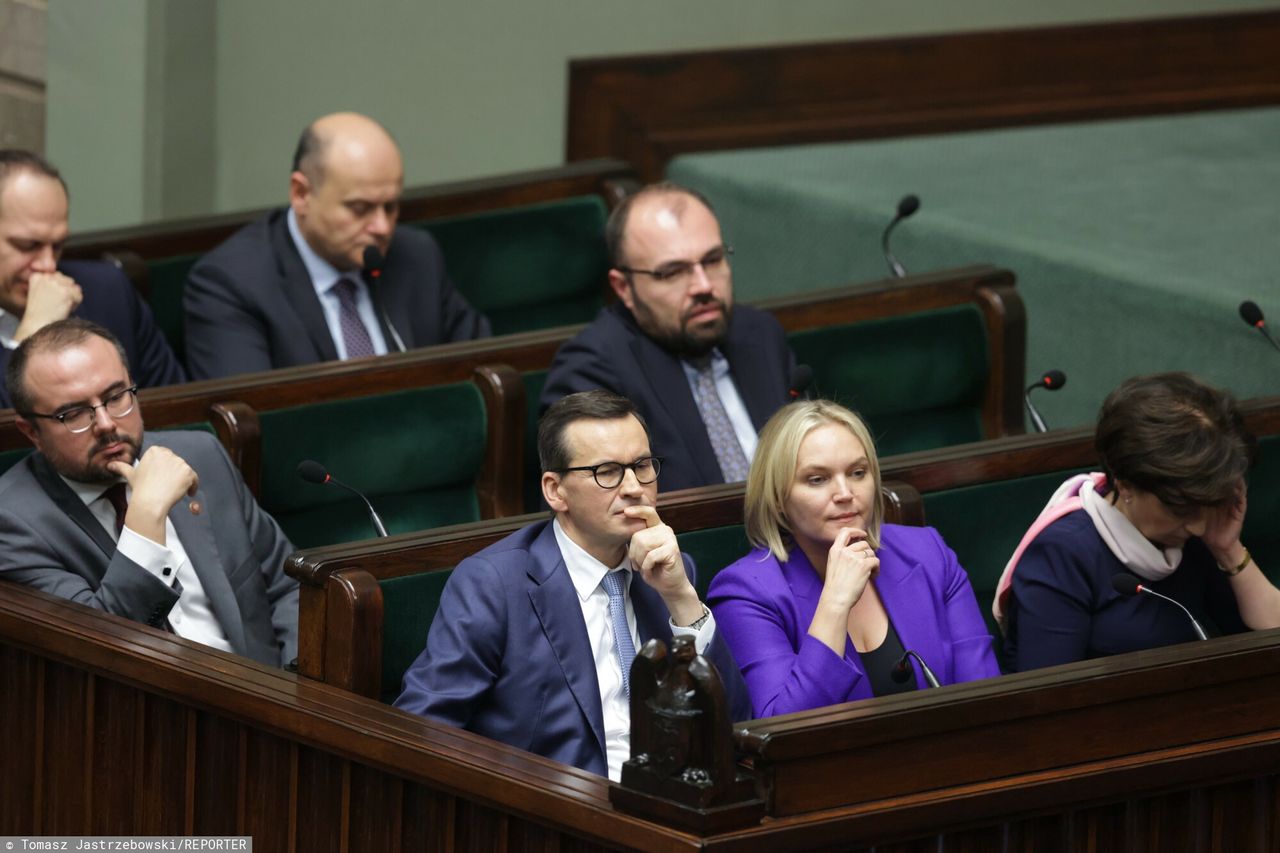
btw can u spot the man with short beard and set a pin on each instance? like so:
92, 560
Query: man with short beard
706, 374
159, 529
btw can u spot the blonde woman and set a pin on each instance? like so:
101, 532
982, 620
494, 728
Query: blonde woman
826, 605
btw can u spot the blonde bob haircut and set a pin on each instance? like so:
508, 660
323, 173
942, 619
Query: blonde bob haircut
773, 471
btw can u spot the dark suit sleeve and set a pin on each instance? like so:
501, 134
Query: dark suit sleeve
735, 689
271, 548
224, 335
581, 364
127, 589
6, 402
463, 656
1054, 603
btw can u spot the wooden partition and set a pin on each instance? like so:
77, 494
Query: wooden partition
649, 108
610, 179
116, 729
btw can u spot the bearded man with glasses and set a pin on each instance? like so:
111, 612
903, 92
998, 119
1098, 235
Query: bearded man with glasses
160, 529
705, 373
534, 636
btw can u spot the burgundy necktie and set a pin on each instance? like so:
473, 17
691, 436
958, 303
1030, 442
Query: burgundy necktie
119, 503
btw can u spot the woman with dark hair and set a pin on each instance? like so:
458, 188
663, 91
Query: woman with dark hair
825, 607
1167, 508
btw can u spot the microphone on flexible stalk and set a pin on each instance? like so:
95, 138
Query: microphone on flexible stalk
908, 205
1126, 584
801, 378
313, 472
1051, 380
1252, 314
902, 669
373, 264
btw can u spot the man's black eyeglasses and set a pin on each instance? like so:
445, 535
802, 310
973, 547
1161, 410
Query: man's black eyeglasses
715, 263
608, 475
79, 419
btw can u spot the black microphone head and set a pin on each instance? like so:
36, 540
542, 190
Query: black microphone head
801, 376
1053, 379
373, 261
908, 205
1126, 584
902, 669
1251, 313
313, 472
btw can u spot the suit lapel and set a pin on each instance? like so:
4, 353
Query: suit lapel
747, 364
74, 508
556, 604
908, 602
299, 292
198, 540
669, 389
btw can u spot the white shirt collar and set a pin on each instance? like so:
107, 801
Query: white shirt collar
585, 571
88, 492
324, 275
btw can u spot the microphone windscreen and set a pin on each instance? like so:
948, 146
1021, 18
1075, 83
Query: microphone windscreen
902, 670
1126, 584
801, 376
1251, 313
312, 471
373, 259
1053, 379
908, 205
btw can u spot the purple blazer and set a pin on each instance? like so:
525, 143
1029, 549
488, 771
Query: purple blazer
763, 609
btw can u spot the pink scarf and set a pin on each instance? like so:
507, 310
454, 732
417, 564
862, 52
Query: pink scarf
1129, 546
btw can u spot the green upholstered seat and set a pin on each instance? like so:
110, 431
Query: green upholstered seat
9, 458
533, 382
918, 380
712, 549
416, 455
167, 277
409, 604
530, 267
1261, 534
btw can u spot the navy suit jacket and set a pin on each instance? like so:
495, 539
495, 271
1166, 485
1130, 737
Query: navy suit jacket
508, 657
53, 543
614, 354
249, 305
111, 301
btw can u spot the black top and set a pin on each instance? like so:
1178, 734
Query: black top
878, 663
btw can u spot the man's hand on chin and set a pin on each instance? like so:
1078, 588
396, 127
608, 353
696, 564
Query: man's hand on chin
655, 555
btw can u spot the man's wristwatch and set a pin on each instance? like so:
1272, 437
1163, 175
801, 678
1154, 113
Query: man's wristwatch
702, 620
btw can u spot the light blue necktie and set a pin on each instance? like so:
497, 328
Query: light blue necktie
615, 583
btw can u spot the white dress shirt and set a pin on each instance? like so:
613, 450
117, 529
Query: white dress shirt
729, 398
324, 278
587, 574
192, 616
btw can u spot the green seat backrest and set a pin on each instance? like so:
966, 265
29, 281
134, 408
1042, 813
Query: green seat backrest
918, 380
409, 604
1261, 533
167, 278
416, 455
533, 382
9, 458
984, 523
712, 549
530, 267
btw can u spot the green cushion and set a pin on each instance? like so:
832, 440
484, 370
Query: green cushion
530, 267
9, 458
1260, 533
168, 277
415, 454
918, 380
712, 549
408, 606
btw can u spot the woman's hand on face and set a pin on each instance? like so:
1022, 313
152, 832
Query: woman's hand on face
1222, 530
851, 562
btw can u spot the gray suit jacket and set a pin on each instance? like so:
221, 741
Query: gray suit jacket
52, 542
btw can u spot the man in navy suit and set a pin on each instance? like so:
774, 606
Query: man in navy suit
706, 374
531, 642
36, 290
288, 289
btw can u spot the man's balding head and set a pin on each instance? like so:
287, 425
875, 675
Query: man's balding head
345, 187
